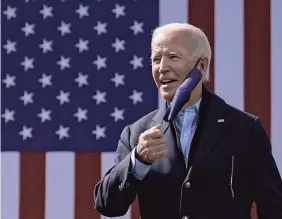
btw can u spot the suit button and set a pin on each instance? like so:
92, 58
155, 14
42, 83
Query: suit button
187, 185
185, 217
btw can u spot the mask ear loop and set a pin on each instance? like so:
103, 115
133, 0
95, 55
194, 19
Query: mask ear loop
202, 80
197, 62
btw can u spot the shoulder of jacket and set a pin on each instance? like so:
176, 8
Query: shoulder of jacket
242, 115
235, 112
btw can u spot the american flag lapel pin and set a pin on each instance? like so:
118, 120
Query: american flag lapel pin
220, 120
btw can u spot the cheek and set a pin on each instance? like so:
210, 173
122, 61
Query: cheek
181, 72
186, 70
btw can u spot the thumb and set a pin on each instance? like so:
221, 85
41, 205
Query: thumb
158, 126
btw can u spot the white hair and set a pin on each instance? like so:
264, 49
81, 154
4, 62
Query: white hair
201, 46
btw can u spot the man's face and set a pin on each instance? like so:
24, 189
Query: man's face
171, 62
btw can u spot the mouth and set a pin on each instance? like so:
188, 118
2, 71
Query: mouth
167, 82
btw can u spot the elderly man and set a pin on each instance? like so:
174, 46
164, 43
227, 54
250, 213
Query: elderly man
211, 162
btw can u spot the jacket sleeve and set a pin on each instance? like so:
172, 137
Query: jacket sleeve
266, 180
117, 189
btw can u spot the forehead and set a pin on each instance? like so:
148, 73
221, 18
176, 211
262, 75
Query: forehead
170, 42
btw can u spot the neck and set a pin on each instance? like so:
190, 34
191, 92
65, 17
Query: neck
195, 96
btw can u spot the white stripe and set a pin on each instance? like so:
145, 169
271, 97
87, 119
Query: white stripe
10, 185
276, 79
107, 161
229, 51
59, 198
170, 12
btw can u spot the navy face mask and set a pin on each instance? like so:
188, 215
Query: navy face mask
183, 94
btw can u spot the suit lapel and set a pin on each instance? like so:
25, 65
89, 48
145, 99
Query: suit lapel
158, 119
173, 150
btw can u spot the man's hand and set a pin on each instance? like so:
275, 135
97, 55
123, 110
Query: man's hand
151, 145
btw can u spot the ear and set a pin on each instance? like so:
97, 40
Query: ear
203, 64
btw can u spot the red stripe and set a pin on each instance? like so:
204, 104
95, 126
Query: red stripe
257, 62
201, 14
135, 210
87, 174
32, 185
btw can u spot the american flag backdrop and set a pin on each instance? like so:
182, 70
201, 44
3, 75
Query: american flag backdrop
75, 72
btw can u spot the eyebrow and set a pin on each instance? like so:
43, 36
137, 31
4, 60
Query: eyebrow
173, 53
170, 53
158, 53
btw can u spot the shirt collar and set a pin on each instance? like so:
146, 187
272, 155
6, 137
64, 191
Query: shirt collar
197, 104
192, 108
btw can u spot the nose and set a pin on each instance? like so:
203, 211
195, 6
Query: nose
164, 67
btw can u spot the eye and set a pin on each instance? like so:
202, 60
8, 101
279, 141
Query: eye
173, 56
156, 59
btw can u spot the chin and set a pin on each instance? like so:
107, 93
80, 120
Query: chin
167, 96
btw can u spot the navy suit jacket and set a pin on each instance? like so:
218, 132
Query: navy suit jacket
230, 166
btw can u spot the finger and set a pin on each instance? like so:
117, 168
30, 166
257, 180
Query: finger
158, 126
149, 135
142, 149
156, 142
152, 132
155, 133
156, 149
162, 153
153, 156
160, 147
